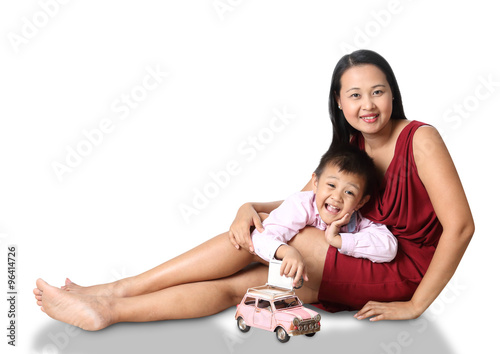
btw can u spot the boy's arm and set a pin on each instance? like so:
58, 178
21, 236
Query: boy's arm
281, 226
267, 242
372, 241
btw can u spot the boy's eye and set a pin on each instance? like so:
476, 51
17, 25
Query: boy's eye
331, 185
350, 193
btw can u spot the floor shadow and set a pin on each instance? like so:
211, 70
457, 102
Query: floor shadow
340, 333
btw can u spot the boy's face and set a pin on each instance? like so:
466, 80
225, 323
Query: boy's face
338, 193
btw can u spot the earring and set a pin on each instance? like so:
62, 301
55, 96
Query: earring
340, 107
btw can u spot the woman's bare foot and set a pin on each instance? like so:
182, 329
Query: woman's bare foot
110, 289
90, 313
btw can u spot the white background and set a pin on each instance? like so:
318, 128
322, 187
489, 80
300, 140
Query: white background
230, 71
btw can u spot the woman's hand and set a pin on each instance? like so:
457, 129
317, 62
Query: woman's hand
239, 232
378, 311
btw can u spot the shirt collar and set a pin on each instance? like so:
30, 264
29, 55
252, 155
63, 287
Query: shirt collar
351, 226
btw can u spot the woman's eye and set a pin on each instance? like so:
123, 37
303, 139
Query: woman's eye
355, 95
378, 92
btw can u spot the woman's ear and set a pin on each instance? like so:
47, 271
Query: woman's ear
337, 100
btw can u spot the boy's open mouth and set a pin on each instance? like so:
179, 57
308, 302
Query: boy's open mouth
332, 209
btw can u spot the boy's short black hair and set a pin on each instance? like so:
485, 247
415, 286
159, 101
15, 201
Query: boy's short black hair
348, 158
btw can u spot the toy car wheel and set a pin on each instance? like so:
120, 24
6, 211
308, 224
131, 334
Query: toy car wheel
242, 325
281, 334
310, 334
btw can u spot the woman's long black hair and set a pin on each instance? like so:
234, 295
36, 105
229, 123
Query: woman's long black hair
342, 131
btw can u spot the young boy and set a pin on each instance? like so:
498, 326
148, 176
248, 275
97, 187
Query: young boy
342, 184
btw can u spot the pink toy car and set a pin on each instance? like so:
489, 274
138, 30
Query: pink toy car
278, 310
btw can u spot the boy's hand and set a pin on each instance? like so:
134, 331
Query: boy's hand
293, 264
332, 231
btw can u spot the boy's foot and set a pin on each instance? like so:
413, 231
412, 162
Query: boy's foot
90, 313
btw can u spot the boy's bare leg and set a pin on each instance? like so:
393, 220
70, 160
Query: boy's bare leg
181, 301
214, 259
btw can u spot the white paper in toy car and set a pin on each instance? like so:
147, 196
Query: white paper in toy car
275, 279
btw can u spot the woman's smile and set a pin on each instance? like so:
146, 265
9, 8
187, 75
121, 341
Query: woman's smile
370, 118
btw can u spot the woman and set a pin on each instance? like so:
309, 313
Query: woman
421, 201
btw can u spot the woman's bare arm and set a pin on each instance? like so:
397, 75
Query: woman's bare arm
308, 186
440, 178
248, 216
266, 208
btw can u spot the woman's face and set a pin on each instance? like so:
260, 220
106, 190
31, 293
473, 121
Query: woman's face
365, 97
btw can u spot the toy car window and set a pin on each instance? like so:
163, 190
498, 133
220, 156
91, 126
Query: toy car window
288, 302
263, 304
250, 301
280, 304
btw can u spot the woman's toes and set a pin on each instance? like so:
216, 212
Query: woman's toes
86, 312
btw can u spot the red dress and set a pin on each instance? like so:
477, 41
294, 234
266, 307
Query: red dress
402, 203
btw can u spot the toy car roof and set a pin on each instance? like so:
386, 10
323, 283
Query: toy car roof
270, 292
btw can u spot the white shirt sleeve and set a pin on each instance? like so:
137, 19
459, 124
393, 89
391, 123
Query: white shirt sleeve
372, 241
282, 225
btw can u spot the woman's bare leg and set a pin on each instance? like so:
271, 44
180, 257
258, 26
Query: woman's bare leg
182, 301
313, 247
214, 259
